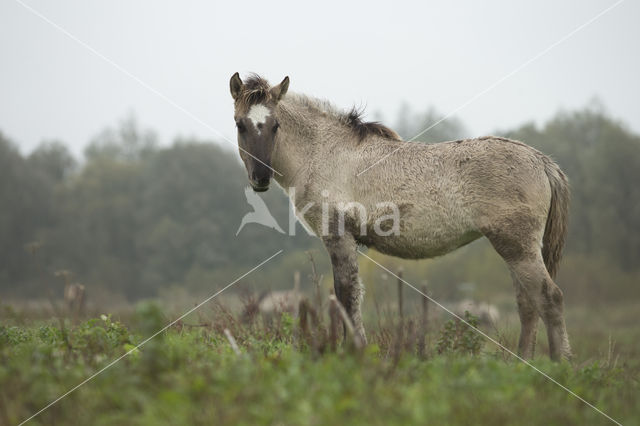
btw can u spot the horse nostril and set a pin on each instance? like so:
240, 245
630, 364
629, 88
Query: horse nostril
259, 180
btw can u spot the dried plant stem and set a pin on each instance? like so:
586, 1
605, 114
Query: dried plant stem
232, 342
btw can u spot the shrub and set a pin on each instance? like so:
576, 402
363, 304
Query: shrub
456, 337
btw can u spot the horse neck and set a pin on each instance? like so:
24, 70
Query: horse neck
296, 146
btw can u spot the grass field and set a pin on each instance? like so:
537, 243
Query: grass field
287, 371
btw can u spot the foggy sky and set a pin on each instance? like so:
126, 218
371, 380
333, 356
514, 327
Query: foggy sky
367, 53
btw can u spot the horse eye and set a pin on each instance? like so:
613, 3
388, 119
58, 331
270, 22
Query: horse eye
240, 127
275, 127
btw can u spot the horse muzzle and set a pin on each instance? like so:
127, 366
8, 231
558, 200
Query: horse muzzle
260, 185
260, 177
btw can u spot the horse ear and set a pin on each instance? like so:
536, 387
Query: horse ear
236, 85
281, 89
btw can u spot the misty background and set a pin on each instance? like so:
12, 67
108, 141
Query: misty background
374, 54
101, 177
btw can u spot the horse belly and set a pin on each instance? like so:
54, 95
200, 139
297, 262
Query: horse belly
419, 247
423, 236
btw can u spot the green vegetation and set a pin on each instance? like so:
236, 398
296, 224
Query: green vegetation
191, 375
135, 221
457, 337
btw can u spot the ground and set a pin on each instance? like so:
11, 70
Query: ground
288, 373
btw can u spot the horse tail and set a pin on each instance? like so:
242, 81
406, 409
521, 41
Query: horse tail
555, 231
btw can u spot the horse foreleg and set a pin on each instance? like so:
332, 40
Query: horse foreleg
347, 286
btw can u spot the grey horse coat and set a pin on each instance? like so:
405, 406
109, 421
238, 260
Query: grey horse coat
444, 195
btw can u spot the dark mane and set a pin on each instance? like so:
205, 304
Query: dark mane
255, 90
368, 128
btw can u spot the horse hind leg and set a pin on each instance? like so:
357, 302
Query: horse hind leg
528, 321
547, 299
535, 290
553, 300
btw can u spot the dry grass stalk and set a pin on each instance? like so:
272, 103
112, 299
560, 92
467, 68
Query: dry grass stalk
316, 280
232, 342
424, 323
334, 324
400, 298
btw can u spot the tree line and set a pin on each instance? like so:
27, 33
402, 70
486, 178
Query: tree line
133, 217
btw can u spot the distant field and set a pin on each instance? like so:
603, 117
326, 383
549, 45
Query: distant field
288, 374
